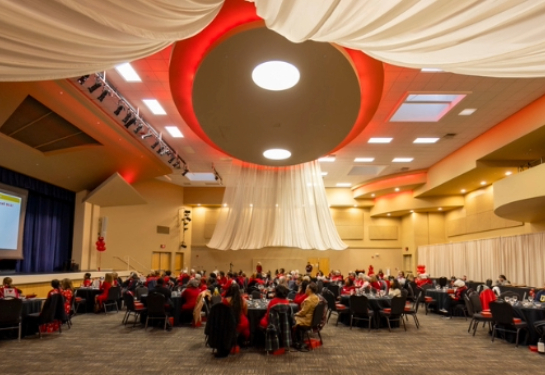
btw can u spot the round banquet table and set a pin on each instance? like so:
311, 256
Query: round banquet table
175, 312
530, 315
376, 304
30, 306
89, 295
441, 298
257, 309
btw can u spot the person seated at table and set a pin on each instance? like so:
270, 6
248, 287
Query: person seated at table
281, 272
239, 306
161, 289
190, 294
348, 287
151, 280
360, 280
301, 293
457, 298
211, 285
87, 281
295, 283
375, 284
540, 296
117, 279
422, 280
303, 318
452, 281
401, 278
336, 276
55, 325
68, 294
502, 281
395, 289
105, 288
7, 290
281, 295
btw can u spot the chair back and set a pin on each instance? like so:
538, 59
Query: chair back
10, 311
220, 329
53, 309
502, 312
319, 286
398, 305
156, 303
141, 291
443, 282
280, 316
318, 314
419, 298
256, 294
358, 305
217, 299
475, 303
469, 305
129, 301
330, 298
335, 289
291, 295
114, 293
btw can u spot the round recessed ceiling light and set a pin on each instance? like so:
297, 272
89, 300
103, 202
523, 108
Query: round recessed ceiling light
277, 154
275, 75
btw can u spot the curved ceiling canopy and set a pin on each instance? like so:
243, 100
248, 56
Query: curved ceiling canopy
211, 82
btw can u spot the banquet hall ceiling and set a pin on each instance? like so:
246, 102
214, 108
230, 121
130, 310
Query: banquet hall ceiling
215, 99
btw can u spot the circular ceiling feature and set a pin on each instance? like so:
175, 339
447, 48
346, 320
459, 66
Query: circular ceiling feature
275, 75
277, 154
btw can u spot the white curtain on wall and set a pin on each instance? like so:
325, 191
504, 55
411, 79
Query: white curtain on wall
500, 38
275, 207
42, 40
520, 258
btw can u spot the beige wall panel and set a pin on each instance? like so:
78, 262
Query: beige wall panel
350, 232
348, 216
209, 230
485, 201
211, 216
383, 232
437, 233
456, 227
511, 223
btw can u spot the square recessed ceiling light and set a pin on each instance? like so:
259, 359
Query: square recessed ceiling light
344, 184
425, 140
364, 160
467, 112
174, 131
402, 160
328, 159
201, 176
154, 106
431, 70
379, 140
324, 173
425, 107
128, 73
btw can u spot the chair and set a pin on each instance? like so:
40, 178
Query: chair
141, 291
78, 301
395, 313
156, 308
291, 295
540, 328
316, 324
10, 315
460, 306
279, 319
221, 329
333, 306
503, 317
335, 289
131, 309
359, 310
114, 294
52, 311
428, 301
443, 282
477, 315
412, 311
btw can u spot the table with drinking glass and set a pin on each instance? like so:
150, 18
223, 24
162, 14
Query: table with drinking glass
89, 295
257, 308
530, 312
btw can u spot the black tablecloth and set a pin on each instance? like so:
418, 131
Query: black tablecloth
376, 304
30, 306
441, 297
257, 310
530, 315
519, 290
89, 295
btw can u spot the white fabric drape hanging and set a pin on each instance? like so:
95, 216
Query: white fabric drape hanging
275, 206
499, 38
41, 40
520, 258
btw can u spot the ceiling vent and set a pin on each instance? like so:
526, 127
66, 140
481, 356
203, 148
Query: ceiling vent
449, 135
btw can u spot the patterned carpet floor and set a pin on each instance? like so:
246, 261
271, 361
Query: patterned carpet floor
100, 344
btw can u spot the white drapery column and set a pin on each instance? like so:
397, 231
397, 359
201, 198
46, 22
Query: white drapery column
275, 206
498, 38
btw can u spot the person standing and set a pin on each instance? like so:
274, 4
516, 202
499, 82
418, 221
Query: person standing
308, 268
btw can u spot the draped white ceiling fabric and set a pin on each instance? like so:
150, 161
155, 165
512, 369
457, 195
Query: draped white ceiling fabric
42, 40
499, 38
275, 207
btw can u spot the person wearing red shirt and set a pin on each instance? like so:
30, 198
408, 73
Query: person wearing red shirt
422, 279
375, 283
258, 268
87, 282
105, 288
68, 293
348, 287
239, 306
190, 294
280, 299
336, 276
301, 294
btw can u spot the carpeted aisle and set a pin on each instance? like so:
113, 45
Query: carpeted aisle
100, 344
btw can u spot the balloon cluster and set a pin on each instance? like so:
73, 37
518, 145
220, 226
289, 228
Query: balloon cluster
100, 244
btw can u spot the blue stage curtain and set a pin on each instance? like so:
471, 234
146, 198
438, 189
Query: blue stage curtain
49, 223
